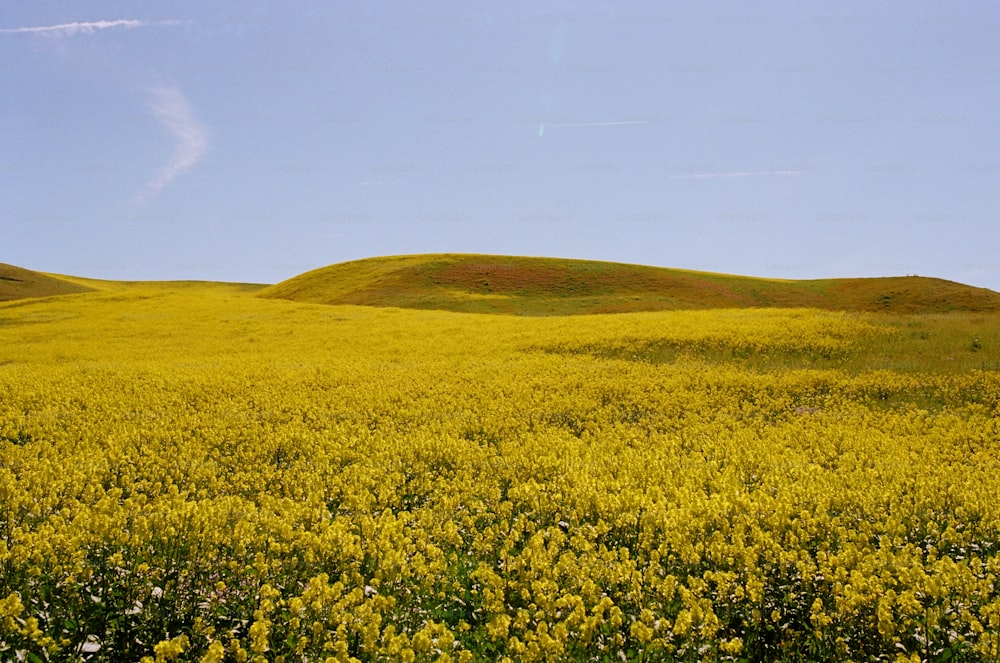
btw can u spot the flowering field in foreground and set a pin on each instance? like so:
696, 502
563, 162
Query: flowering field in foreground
194, 474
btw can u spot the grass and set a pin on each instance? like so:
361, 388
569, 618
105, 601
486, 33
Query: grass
545, 286
926, 343
550, 286
20, 283
935, 343
925, 325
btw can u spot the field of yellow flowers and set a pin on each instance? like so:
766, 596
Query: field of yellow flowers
190, 473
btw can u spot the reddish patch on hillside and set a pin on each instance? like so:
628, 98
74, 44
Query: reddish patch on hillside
572, 280
546, 286
512, 279
912, 294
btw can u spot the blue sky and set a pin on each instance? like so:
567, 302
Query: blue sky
252, 141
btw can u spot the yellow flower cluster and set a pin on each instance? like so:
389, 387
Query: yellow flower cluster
203, 476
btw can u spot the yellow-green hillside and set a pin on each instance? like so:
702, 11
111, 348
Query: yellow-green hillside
551, 286
20, 283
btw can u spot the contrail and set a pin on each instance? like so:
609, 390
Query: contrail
613, 123
85, 27
740, 173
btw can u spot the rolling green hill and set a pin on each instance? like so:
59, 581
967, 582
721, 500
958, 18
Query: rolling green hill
20, 283
551, 286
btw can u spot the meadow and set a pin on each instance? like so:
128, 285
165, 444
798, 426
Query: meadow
191, 472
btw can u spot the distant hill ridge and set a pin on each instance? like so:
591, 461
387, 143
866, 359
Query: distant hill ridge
555, 286
20, 283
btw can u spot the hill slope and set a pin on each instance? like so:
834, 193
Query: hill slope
550, 286
20, 283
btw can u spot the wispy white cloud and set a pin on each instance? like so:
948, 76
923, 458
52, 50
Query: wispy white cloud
83, 27
173, 111
738, 173
612, 123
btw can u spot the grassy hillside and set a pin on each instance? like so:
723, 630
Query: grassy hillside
550, 286
20, 283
